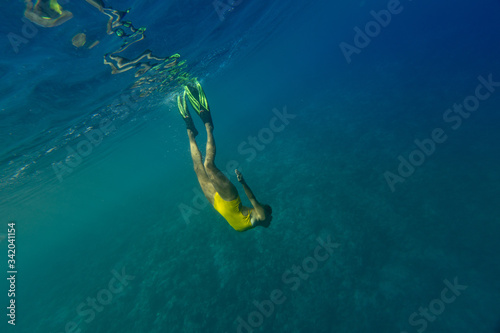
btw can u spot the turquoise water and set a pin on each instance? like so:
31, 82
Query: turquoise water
384, 194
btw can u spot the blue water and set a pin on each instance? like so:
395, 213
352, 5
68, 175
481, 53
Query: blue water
385, 200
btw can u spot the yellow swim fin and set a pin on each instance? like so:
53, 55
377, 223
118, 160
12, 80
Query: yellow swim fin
183, 110
199, 101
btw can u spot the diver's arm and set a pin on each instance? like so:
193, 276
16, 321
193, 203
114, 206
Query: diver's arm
256, 205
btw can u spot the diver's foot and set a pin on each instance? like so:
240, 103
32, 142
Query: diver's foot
191, 133
209, 127
206, 117
184, 112
190, 126
199, 101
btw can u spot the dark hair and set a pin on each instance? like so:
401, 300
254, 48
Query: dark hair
268, 211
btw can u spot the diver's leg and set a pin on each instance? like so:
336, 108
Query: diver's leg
206, 186
221, 183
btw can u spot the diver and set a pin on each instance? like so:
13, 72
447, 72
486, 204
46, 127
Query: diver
218, 189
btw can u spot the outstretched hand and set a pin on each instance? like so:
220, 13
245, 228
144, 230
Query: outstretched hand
239, 175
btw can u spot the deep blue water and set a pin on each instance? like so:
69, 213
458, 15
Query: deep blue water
376, 158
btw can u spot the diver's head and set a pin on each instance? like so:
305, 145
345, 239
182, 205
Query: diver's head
269, 216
